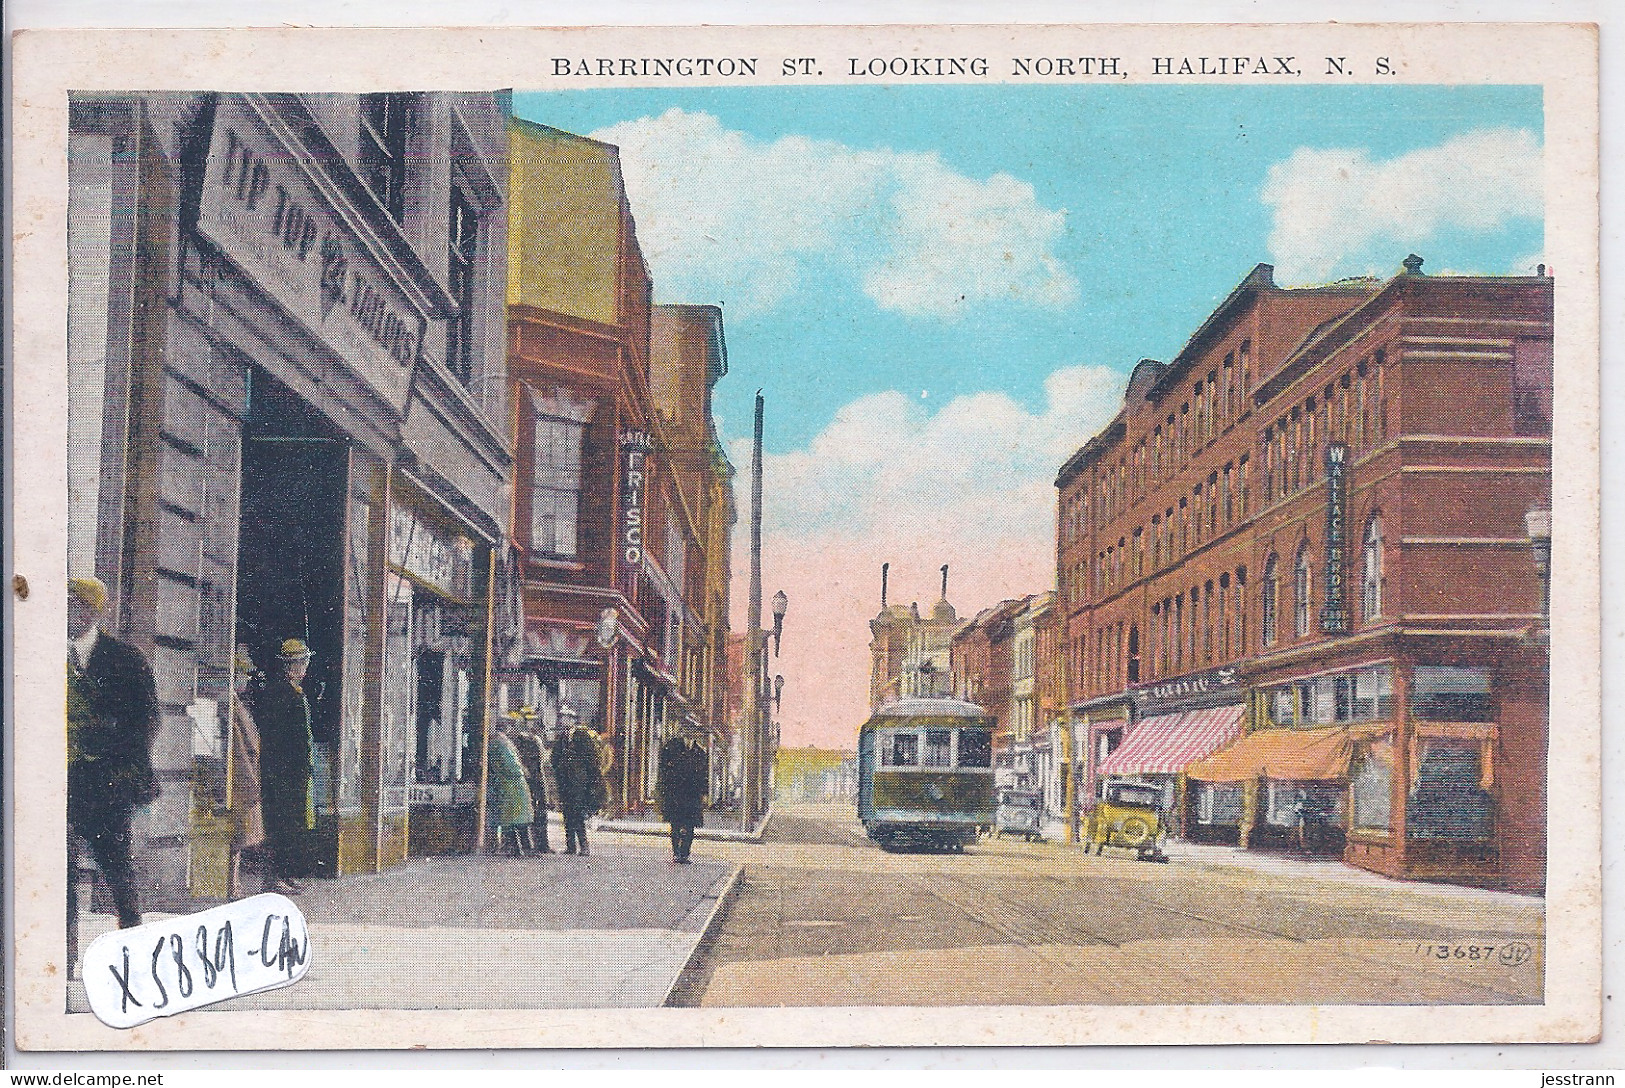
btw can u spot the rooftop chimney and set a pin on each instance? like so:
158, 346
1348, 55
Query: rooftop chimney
884, 568
1413, 265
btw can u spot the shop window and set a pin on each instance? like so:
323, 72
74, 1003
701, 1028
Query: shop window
1451, 694
1219, 804
900, 750
1371, 784
1301, 586
1372, 695
938, 748
1449, 801
1371, 571
384, 121
556, 493
463, 241
1267, 599
975, 748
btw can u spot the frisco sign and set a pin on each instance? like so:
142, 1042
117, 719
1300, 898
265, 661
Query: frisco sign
1334, 617
635, 448
262, 210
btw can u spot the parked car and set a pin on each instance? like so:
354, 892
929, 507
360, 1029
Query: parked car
1128, 816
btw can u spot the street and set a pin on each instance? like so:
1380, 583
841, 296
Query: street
824, 917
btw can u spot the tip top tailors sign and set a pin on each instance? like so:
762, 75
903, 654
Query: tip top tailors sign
635, 449
1203, 683
1334, 617
267, 208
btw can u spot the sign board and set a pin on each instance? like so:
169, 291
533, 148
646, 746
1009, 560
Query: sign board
635, 449
1334, 616
261, 207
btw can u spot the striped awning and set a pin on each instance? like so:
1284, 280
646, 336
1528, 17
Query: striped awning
1171, 742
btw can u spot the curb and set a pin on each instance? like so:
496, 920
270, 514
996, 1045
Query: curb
713, 834
721, 893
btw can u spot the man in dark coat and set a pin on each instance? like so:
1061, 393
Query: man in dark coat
533, 757
684, 775
287, 766
112, 718
577, 770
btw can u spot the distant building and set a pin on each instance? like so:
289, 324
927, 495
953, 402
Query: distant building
815, 774
909, 653
1297, 582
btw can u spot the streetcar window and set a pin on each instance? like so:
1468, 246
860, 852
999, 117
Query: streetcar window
939, 747
903, 750
975, 748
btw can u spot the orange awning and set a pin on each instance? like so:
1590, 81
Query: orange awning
1288, 755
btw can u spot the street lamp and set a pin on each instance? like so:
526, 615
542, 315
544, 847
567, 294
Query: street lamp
780, 605
778, 691
1538, 524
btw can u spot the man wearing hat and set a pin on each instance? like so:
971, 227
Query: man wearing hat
287, 766
684, 778
112, 718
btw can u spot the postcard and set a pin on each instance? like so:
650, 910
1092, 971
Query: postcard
805, 536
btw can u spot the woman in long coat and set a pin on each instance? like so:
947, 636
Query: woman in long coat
507, 797
248, 821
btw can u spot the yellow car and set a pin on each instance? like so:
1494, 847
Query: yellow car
1128, 817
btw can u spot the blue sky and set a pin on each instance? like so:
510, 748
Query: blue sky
942, 289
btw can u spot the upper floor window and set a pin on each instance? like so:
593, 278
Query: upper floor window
1371, 571
384, 120
556, 486
1532, 387
463, 240
1267, 599
1301, 585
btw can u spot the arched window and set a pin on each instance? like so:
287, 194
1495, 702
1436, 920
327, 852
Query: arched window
1371, 570
1134, 654
1267, 598
1224, 617
1300, 592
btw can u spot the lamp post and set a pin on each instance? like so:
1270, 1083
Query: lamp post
1538, 523
780, 604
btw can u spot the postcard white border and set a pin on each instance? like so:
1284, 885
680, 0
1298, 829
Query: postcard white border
46, 64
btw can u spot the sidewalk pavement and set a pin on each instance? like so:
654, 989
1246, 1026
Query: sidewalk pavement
612, 930
721, 825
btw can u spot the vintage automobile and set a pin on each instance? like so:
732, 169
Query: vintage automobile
1128, 816
1020, 813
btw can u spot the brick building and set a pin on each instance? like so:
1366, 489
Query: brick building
909, 652
1311, 525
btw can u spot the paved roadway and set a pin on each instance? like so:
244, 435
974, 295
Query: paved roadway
823, 917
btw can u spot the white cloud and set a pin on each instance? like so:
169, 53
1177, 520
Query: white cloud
1333, 208
970, 484
724, 217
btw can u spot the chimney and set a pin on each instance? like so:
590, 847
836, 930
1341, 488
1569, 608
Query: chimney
1413, 265
884, 568
945, 581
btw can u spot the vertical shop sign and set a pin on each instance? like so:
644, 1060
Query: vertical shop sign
1334, 616
635, 447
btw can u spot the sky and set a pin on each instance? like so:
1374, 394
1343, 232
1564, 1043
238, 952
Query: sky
941, 290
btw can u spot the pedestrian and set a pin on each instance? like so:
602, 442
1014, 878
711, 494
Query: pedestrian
684, 774
577, 769
532, 751
247, 816
112, 719
287, 767
507, 797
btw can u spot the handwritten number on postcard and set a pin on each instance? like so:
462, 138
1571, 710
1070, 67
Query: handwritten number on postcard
162, 968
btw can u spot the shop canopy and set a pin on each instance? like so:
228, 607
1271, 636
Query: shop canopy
1286, 755
1168, 744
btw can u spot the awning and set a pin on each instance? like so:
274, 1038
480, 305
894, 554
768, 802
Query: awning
1168, 744
1288, 755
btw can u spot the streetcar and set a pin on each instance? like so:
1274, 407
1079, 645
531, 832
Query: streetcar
925, 774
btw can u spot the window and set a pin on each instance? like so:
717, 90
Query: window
1452, 694
1207, 623
1532, 387
556, 492
1450, 801
1224, 620
1246, 369
463, 242
1246, 484
1134, 654
1267, 599
1196, 593
1212, 503
975, 748
938, 748
383, 149
1301, 585
1179, 632
1371, 571
1241, 611
900, 750
1229, 497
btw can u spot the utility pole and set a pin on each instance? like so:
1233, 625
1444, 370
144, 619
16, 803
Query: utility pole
751, 749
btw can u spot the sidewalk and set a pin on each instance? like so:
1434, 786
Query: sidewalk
721, 825
613, 930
